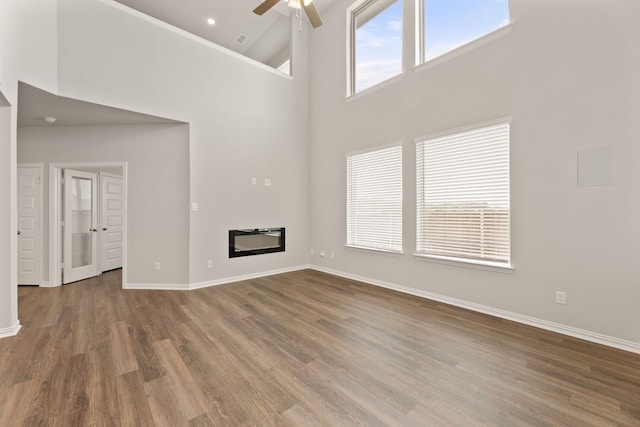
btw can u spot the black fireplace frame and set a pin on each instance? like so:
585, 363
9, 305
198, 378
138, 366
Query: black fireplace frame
233, 253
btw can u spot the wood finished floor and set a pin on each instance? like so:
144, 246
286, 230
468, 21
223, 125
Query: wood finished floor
298, 349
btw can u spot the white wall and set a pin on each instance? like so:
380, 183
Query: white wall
28, 34
28, 45
246, 120
9, 323
157, 159
8, 63
569, 76
37, 35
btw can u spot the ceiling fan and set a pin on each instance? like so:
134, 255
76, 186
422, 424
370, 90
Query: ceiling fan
307, 5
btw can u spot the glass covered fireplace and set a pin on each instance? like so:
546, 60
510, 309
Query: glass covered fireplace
255, 241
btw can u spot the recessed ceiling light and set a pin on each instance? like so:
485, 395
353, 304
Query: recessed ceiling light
211, 21
49, 119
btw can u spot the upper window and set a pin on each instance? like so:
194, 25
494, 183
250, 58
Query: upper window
374, 200
375, 43
463, 196
448, 24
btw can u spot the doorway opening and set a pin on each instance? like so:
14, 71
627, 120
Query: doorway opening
87, 220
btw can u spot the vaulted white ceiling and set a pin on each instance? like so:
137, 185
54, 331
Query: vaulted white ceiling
35, 104
264, 39
233, 18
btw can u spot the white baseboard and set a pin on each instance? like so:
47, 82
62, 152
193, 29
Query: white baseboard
47, 284
10, 331
157, 286
240, 278
207, 283
609, 341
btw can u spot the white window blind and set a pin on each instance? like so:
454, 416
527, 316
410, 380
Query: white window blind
374, 200
463, 195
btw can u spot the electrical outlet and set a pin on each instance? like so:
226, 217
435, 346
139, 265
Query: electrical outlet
156, 266
267, 182
209, 263
561, 297
322, 254
253, 181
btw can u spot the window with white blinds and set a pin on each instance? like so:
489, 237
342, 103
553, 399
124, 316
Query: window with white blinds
463, 208
374, 200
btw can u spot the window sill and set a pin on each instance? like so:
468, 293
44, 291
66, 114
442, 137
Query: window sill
398, 254
467, 263
374, 88
460, 50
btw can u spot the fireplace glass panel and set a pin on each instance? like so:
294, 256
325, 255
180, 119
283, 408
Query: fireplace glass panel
255, 241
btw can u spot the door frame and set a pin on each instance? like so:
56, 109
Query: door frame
40, 234
102, 175
55, 216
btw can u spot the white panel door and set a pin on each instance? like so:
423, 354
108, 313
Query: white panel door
80, 230
29, 223
110, 222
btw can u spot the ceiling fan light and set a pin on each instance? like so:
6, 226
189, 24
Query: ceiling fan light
295, 4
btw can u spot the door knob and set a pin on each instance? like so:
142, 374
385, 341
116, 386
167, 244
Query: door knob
19, 232
104, 229
93, 229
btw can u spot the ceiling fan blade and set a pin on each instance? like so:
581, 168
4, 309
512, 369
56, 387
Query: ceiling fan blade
312, 14
264, 6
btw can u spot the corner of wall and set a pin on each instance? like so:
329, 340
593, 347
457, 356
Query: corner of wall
10, 331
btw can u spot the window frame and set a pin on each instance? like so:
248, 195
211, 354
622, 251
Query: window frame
504, 267
352, 245
352, 13
478, 41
